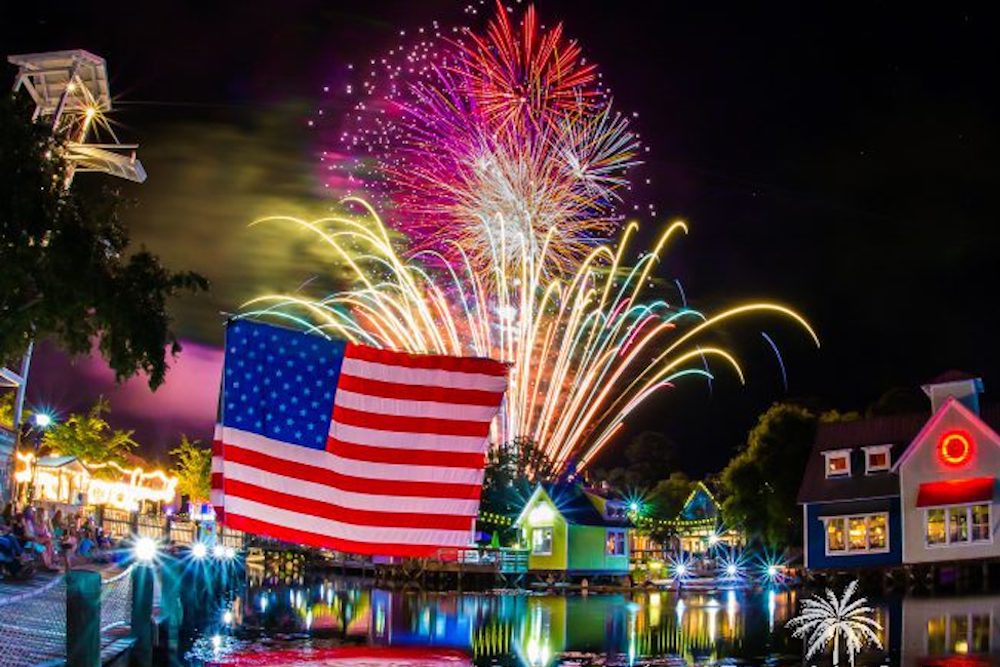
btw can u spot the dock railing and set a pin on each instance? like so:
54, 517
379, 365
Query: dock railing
500, 559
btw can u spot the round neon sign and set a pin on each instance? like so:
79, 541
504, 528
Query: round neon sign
955, 448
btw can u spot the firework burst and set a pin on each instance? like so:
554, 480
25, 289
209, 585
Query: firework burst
496, 138
525, 77
829, 618
585, 350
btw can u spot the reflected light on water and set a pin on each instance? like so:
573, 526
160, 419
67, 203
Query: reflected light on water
548, 630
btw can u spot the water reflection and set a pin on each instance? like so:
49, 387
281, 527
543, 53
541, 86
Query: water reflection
515, 629
316, 624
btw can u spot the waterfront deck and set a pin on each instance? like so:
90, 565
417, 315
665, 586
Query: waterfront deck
33, 617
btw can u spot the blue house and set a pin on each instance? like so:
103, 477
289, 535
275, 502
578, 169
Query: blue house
883, 491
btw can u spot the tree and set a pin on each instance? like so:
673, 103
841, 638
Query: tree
649, 457
665, 501
762, 481
89, 437
67, 274
512, 471
193, 467
7, 400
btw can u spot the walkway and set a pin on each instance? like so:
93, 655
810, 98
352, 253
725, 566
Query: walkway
33, 616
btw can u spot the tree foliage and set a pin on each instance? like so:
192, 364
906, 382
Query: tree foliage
193, 467
512, 471
67, 274
762, 481
665, 501
89, 436
7, 400
648, 458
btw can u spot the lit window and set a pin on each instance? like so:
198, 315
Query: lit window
980, 634
615, 543
860, 533
877, 458
541, 541
935, 526
958, 629
835, 535
980, 523
876, 531
857, 534
936, 635
838, 463
960, 524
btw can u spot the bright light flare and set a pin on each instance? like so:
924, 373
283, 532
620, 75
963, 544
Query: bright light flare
145, 549
199, 550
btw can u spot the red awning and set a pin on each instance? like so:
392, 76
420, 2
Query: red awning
956, 492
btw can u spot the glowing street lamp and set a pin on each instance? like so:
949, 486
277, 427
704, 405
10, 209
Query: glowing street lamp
199, 550
145, 550
43, 420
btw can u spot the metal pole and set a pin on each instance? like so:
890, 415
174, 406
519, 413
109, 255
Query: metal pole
65, 94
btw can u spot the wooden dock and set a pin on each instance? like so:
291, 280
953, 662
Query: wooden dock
33, 618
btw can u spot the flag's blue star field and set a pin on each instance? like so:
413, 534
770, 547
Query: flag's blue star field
280, 383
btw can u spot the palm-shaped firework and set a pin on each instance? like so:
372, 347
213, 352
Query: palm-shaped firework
823, 619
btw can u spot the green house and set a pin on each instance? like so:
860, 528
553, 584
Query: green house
575, 531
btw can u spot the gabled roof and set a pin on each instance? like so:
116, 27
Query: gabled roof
900, 431
689, 511
573, 504
55, 461
895, 430
952, 376
951, 403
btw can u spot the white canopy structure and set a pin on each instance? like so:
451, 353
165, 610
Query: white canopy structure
70, 90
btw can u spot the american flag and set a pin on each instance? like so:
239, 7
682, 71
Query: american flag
348, 447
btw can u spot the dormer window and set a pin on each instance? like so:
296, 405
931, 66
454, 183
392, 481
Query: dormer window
838, 463
877, 458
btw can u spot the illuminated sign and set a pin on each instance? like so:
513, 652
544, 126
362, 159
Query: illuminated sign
955, 448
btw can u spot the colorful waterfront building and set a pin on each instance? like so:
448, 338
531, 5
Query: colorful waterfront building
575, 531
906, 489
698, 528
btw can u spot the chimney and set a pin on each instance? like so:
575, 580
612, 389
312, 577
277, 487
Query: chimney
963, 387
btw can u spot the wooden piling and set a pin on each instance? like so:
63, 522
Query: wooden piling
142, 616
83, 618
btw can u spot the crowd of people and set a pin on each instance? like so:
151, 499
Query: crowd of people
31, 538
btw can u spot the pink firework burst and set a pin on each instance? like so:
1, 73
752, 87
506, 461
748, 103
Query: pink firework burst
501, 141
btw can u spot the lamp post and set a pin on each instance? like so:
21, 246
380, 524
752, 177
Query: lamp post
40, 421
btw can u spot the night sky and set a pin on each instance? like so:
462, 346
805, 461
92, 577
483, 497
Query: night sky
843, 161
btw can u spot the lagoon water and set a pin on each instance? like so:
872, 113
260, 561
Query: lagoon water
344, 622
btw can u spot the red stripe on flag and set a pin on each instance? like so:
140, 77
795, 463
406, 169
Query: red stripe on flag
358, 517
417, 457
427, 361
343, 482
295, 536
417, 392
217, 480
399, 424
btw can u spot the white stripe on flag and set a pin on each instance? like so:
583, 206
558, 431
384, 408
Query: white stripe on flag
422, 376
396, 439
344, 531
319, 458
408, 408
349, 499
